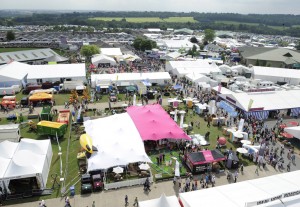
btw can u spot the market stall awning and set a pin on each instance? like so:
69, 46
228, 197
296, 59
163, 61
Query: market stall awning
154, 123
40, 97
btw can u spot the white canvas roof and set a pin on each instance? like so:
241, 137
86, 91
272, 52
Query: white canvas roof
291, 76
7, 149
295, 131
28, 158
163, 201
127, 77
118, 142
13, 71
238, 194
177, 44
195, 77
111, 51
274, 100
189, 64
103, 59
184, 71
56, 71
4, 162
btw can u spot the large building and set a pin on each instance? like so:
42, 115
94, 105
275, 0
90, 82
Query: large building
31, 56
272, 57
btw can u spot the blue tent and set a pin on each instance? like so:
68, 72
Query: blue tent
176, 87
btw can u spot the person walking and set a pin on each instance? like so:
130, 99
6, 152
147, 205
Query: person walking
126, 200
136, 202
236, 174
93, 205
242, 168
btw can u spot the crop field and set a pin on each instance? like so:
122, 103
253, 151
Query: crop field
147, 19
236, 23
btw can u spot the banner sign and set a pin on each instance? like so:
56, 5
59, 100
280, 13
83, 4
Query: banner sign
278, 197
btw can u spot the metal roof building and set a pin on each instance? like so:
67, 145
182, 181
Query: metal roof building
26, 55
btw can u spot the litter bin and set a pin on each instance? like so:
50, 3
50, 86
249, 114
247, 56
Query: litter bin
72, 190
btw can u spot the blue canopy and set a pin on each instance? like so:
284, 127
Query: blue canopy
177, 87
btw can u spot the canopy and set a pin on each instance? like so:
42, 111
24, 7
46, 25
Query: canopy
154, 123
247, 193
118, 142
295, 131
28, 158
207, 156
103, 59
40, 97
163, 201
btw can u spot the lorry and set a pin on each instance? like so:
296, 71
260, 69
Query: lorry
30, 88
46, 113
12, 90
51, 128
71, 85
10, 132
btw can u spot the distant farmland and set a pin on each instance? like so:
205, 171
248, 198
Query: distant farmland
146, 19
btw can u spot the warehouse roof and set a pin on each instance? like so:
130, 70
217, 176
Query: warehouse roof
26, 55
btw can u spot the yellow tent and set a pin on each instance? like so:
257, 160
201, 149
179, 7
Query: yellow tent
40, 97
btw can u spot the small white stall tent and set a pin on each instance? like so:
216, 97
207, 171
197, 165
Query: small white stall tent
30, 159
10, 132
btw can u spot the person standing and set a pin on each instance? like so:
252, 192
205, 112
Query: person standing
242, 168
93, 205
126, 200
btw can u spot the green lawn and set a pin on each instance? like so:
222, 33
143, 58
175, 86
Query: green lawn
146, 19
72, 175
16, 49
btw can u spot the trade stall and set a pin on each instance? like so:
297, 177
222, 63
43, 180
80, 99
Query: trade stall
21, 174
295, 131
43, 97
258, 192
199, 162
163, 201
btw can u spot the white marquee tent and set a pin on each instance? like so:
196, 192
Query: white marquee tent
274, 100
247, 193
111, 52
28, 158
13, 73
103, 59
295, 131
291, 76
163, 201
195, 77
118, 142
133, 78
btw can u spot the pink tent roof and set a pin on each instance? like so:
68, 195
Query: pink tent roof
154, 123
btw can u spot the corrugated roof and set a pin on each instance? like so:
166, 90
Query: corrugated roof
277, 55
26, 55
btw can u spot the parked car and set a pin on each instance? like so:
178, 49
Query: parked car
86, 186
97, 182
112, 97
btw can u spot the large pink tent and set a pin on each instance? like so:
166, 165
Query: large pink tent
154, 123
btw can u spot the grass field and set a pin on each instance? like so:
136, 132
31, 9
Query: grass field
236, 23
73, 175
146, 19
16, 49
254, 24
